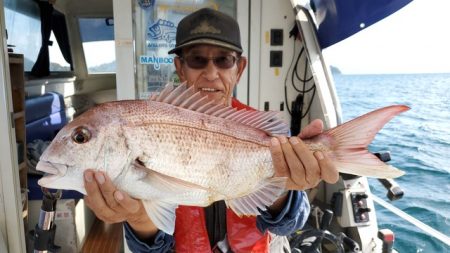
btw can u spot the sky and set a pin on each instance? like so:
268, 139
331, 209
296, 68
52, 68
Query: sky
415, 39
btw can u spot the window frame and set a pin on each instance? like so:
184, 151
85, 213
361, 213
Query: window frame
82, 49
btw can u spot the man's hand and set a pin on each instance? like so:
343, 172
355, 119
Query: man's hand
112, 206
303, 168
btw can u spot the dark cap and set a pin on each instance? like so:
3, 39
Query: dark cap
208, 26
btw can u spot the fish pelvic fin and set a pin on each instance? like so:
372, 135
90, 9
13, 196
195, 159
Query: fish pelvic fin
349, 143
162, 214
169, 190
186, 97
264, 195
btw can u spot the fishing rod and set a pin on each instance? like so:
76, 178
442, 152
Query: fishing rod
429, 230
44, 232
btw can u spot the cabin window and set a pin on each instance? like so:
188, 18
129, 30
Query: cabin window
57, 61
24, 34
155, 31
31, 27
97, 36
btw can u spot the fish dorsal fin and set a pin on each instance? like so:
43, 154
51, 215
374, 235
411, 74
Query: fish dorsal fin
186, 97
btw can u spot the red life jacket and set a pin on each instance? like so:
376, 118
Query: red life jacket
243, 236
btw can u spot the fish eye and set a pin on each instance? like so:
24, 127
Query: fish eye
81, 135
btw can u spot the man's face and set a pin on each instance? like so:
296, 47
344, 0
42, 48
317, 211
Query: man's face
216, 78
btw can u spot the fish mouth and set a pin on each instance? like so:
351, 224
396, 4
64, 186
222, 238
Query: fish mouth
53, 171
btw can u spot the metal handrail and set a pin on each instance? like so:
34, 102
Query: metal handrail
427, 229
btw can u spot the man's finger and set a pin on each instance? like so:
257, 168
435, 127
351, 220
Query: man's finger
312, 169
92, 190
94, 197
107, 188
281, 168
126, 202
312, 129
296, 168
328, 171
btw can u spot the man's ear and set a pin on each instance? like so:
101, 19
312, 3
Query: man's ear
179, 68
242, 63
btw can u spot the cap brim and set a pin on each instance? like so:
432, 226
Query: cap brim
207, 42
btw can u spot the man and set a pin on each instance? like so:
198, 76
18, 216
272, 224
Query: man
209, 58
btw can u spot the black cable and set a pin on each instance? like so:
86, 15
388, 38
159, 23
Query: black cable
297, 108
295, 72
313, 88
286, 100
310, 103
285, 79
296, 117
306, 64
304, 80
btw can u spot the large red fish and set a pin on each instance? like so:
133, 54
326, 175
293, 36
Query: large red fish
178, 148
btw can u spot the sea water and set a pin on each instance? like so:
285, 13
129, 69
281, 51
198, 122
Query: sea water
419, 142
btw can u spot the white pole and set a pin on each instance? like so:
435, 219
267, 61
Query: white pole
429, 230
11, 221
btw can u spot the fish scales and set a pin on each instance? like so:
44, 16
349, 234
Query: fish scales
149, 112
198, 148
214, 161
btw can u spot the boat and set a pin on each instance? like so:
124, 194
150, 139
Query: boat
107, 50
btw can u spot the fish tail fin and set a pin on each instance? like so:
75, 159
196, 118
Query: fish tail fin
349, 143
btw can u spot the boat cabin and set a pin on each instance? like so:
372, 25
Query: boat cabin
61, 57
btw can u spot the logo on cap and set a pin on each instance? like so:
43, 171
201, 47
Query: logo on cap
205, 27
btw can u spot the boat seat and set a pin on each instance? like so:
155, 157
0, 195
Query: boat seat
45, 115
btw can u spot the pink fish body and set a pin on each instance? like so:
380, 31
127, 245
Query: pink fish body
181, 149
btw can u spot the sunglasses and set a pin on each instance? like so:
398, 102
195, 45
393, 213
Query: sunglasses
200, 62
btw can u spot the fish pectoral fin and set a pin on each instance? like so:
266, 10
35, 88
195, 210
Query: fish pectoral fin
162, 214
264, 195
171, 184
174, 189
168, 183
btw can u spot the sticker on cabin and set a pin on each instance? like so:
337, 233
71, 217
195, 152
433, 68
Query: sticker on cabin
162, 30
156, 61
146, 3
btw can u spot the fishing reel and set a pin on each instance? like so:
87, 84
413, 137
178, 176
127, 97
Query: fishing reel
312, 238
394, 192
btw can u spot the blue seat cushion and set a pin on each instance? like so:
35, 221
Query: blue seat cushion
39, 107
47, 127
45, 115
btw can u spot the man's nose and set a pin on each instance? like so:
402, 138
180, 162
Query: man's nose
211, 71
